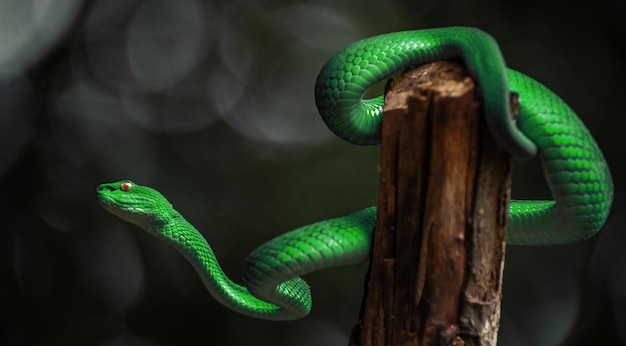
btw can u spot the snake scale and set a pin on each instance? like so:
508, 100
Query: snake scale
574, 166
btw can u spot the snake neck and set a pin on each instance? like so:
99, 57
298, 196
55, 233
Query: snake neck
174, 229
185, 238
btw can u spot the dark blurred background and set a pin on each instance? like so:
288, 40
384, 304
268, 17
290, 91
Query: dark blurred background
212, 103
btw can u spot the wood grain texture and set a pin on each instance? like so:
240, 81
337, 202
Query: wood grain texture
435, 276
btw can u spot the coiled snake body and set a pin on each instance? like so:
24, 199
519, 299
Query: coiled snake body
575, 168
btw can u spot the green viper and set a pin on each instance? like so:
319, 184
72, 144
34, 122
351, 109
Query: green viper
575, 168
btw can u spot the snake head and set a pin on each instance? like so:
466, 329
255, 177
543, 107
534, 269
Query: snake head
140, 205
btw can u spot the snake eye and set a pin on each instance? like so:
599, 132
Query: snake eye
126, 186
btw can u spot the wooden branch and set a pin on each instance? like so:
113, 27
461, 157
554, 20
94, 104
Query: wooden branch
436, 271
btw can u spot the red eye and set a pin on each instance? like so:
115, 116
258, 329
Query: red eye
126, 186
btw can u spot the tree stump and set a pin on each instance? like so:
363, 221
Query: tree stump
435, 276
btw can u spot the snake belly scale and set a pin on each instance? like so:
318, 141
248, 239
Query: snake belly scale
574, 167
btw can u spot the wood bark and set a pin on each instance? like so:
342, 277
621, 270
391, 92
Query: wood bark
435, 276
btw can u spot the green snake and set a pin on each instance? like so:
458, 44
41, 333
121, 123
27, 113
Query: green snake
574, 166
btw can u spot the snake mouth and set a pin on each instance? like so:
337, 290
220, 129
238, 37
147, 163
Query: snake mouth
108, 205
